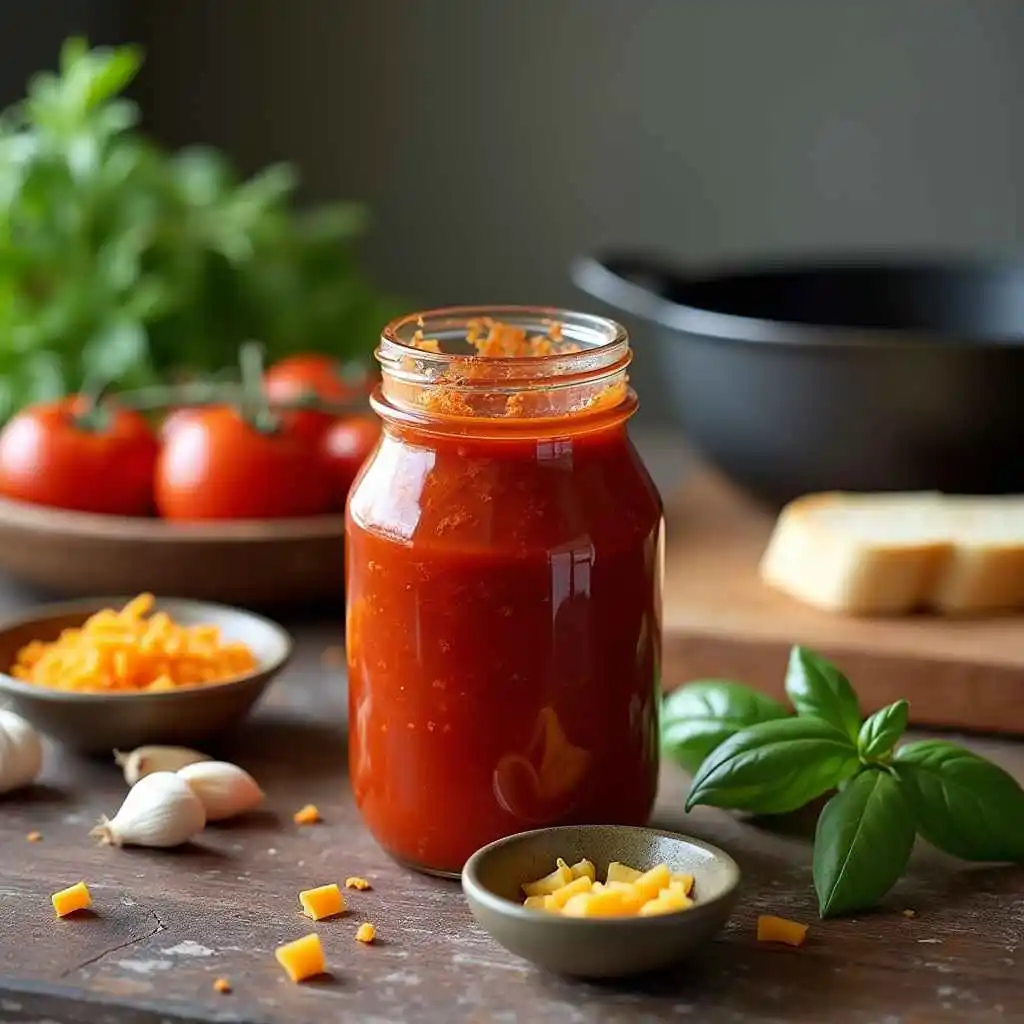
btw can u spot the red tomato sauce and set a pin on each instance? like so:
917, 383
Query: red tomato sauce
503, 635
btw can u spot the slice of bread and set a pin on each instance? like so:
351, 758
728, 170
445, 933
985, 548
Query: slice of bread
892, 554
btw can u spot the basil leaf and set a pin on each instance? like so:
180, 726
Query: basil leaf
862, 843
963, 804
775, 767
697, 717
879, 733
816, 687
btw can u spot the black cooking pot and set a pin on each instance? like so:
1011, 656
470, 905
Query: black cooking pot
839, 375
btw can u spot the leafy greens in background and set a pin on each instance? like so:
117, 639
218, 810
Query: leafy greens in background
749, 752
121, 261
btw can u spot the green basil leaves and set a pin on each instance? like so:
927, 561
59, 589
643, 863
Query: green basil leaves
748, 752
862, 843
962, 803
775, 767
698, 717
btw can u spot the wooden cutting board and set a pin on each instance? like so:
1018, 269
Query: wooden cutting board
720, 621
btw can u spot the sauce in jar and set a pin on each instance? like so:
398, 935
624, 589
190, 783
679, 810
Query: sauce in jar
504, 558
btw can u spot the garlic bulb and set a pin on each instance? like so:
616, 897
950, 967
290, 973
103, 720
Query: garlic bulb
159, 810
143, 761
21, 752
225, 789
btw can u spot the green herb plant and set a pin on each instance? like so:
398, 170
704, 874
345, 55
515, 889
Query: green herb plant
750, 752
121, 261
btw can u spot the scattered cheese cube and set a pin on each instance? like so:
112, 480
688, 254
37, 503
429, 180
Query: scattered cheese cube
536, 902
366, 932
324, 901
308, 815
780, 929
562, 875
621, 873
75, 897
584, 869
561, 896
303, 958
355, 882
610, 903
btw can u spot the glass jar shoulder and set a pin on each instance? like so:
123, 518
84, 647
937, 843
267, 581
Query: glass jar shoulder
507, 495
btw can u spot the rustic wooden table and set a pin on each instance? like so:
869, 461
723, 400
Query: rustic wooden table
168, 923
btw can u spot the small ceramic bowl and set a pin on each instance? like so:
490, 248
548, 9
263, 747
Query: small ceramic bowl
93, 723
598, 947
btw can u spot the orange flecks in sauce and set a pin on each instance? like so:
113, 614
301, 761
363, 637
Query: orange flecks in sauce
308, 815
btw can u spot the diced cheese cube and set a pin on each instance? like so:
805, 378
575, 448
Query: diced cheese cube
560, 897
303, 958
621, 873
583, 869
780, 929
324, 901
667, 902
681, 883
535, 902
75, 897
609, 903
562, 875
650, 883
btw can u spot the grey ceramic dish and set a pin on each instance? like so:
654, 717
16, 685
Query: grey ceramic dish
598, 947
96, 723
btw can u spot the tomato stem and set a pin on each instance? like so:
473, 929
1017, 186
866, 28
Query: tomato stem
255, 406
92, 415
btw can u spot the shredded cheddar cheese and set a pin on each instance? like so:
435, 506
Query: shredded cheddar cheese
625, 892
355, 882
366, 933
308, 815
74, 898
131, 650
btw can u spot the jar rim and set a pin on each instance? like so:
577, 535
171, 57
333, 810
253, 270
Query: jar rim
592, 332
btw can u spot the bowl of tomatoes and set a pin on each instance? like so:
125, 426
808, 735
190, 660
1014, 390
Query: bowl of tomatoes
238, 498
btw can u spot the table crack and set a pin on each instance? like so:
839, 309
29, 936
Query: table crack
159, 925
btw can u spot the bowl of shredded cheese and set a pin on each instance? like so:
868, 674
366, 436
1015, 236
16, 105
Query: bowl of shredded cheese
114, 673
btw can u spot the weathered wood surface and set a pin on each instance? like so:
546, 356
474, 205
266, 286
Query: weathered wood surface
168, 923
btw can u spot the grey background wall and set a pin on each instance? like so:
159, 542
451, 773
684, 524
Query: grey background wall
495, 139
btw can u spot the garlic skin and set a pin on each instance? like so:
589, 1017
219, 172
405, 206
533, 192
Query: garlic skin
160, 810
143, 761
225, 789
21, 752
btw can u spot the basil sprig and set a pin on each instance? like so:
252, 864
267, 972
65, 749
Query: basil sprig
749, 752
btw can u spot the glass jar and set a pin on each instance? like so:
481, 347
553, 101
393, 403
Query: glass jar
504, 560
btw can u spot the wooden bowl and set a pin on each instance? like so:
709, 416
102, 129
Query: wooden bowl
94, 723
608, 947
248, 562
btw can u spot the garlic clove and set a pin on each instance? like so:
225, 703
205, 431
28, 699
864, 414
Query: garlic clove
160, 810
143, 761
21, 752
225, 789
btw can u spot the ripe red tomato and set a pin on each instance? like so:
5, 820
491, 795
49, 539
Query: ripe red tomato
311, 376
58, 454
173, 420
345, 447
216, 465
